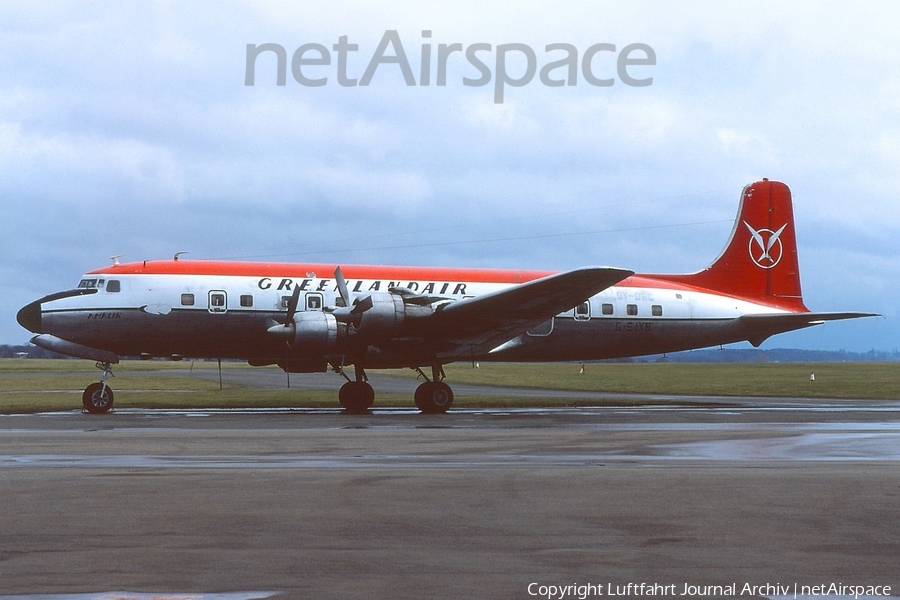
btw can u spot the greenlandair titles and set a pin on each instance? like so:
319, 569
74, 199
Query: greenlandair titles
306, 285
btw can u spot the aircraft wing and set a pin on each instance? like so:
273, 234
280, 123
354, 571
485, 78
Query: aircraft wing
477, 325
761, 326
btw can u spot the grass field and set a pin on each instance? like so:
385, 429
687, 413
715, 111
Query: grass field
47, 385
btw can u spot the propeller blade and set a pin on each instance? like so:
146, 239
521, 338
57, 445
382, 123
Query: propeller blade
349, 312
286, 330
342, 286
361, 305
292, 307
352, 315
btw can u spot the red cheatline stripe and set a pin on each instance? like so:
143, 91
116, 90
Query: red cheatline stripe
372, 272
325, 271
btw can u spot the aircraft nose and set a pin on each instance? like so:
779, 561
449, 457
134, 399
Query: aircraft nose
29, 317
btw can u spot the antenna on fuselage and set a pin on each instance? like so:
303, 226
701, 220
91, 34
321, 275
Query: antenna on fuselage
177, 254
115, 259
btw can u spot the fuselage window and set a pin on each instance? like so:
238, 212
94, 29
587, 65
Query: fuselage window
246, 300
607, 308
314, 302
187, 299
583, 311
217, 302
631, 310
113, 285
656, 310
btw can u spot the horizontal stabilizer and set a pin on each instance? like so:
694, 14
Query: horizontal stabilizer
760, 327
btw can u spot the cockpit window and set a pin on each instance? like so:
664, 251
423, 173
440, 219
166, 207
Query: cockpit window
87, 283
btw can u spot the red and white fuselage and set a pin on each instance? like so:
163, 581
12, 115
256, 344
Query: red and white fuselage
305, 317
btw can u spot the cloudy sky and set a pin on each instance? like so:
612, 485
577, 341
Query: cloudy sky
126, 128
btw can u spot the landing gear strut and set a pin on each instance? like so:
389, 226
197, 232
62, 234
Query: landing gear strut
98, 397
435, 396
356, 396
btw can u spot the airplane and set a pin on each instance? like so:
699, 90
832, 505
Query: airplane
307, 317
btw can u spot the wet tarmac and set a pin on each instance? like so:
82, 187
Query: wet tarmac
475, 503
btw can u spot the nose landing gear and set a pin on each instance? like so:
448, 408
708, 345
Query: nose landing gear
98, 397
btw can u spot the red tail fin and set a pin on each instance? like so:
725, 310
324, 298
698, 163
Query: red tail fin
760, 261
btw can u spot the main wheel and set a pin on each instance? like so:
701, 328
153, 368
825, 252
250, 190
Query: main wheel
356, 396
434, 397
97, 399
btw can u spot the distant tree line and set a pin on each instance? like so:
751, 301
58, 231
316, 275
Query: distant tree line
774, 355
27, 351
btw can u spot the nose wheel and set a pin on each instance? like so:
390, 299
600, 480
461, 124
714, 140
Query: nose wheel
98, 397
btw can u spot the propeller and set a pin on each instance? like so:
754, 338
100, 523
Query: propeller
342, 285
351, 311
286, 329
292, 306
348, 313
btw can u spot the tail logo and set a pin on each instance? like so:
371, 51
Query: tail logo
765, 246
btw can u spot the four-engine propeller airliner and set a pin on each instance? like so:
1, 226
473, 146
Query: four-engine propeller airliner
307, 317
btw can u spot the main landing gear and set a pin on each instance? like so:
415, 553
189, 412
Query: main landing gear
432, 397
356, 396
98, 397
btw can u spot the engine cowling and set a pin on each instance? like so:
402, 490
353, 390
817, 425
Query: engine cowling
316, 332
389, 313
371, 319
311, 332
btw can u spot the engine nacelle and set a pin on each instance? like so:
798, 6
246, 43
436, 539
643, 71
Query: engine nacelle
389, 313
316, 333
